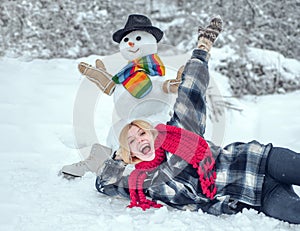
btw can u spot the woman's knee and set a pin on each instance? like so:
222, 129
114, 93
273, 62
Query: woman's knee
282, 203
283, 165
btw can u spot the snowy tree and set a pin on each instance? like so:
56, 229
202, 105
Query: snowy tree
71, 29
64, 28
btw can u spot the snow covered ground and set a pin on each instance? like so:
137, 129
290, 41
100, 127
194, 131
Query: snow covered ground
36, 129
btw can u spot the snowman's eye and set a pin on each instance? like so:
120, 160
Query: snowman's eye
138, 38
126, 40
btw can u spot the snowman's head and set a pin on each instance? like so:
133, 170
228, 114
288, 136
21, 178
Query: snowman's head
137, 44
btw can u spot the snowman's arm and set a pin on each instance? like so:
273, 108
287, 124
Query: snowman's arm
98, 75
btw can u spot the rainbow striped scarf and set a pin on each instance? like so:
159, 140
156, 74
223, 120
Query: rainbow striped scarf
134, 76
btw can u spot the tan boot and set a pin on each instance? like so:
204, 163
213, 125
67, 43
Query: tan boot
98, 154
171, 85
99, 76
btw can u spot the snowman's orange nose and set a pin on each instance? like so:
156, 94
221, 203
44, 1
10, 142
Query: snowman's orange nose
131, 44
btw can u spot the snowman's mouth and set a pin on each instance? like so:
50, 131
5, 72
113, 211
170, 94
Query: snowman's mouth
134, 51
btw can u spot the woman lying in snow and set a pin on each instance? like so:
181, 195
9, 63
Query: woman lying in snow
176, 165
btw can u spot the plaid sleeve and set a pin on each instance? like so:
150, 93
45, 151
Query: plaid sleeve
221, 206
110, 180
190, 105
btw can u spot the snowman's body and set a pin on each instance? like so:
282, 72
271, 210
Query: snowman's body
127, 106
155, 106
136, 40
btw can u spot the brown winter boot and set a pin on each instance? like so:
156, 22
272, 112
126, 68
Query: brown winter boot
207, 36
98, 75
171, 85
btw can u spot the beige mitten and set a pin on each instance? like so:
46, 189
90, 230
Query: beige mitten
100, 64
171, 85
98, 75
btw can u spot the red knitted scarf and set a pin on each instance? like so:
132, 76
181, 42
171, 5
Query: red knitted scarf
190, 147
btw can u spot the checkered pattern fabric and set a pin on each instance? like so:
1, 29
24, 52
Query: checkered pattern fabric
240, 167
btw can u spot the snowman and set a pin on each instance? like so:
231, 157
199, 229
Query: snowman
140, 89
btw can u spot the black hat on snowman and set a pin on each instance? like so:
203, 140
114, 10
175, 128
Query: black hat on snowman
138, 22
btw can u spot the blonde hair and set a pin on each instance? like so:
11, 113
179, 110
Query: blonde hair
124, 150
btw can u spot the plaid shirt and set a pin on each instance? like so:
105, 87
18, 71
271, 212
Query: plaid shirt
240, 167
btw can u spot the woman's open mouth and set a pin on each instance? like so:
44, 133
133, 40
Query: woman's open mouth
145, 149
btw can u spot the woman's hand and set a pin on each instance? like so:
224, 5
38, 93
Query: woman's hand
117, 155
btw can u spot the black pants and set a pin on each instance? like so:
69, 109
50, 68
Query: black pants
279, 199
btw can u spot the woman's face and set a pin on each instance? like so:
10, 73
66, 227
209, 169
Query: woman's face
141, 143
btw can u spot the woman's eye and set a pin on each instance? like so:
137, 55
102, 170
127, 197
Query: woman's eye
143, 133
126, 40
138, 38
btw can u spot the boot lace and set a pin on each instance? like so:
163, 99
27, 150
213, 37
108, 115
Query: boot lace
84, 162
